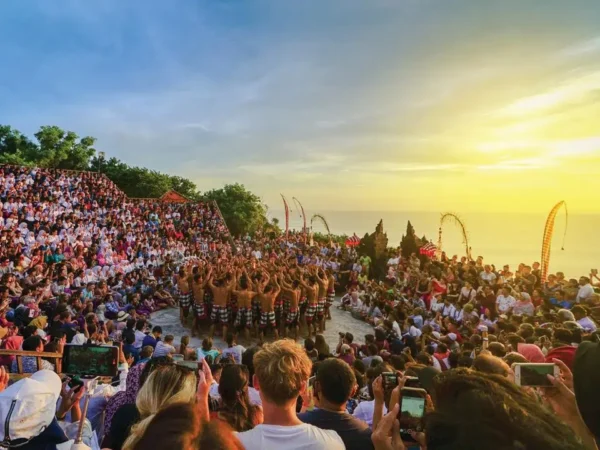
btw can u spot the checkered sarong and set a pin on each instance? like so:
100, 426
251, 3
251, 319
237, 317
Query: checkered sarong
219, 314
311, 312
200, 310
330, 298
321, 307
292, 317
267, 319
244, 318
185, 300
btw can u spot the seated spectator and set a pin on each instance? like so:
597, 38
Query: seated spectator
233, 349
34, 421
335, 384
311, 351
146, 353
281, 375
32, 344
152, 338
185, 349
236, 408
165, 348
346, 354
207, 350
321, 346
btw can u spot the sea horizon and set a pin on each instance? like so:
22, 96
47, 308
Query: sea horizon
500, 237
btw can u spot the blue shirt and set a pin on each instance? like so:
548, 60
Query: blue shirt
355, 433
149, 340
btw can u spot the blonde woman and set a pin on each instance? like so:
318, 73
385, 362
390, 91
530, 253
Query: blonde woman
165, 386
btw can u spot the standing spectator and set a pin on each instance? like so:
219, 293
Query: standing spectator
236, 408
281, 375
335, 384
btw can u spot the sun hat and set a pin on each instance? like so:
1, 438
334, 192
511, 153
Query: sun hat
28, 407
122, 316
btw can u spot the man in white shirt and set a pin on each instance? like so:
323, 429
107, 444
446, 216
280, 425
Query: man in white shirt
505, 302
586, 291
281, 375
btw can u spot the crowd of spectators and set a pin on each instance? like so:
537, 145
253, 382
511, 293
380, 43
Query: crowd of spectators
82, 264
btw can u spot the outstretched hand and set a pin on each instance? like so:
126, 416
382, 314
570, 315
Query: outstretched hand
386, 435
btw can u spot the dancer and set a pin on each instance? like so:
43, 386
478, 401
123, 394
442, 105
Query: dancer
293, 292
267, 309
185, 294
219, 314
199, 292
312, 290
245, 295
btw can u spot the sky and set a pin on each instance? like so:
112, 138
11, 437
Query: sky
364, 105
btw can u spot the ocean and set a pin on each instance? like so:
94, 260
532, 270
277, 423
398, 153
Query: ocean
501, 238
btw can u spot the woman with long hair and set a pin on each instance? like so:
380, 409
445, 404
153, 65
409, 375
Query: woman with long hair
322, 346
179, 427
165, 386
236, 409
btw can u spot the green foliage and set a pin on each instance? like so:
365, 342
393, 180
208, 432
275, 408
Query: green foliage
409, 244
61, 149
324, 238
243, 211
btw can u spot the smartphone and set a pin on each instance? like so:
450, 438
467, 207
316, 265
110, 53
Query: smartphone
530, 374
90, 360
412, 411
390, 380
411, 382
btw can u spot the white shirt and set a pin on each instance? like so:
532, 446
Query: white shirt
139, 339
163, 349
365, 410
277, 437
505, 303
585, 292
236, 351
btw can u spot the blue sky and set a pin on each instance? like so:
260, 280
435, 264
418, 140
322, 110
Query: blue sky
346, 104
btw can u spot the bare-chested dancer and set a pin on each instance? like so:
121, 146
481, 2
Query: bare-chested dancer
330, 293
199, 284
312, 290
322, 298
293, 293
219, 314
267, 308
185, 293
244, 302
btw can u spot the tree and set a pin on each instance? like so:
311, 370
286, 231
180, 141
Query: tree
243, 211
408, 244
15, 147
63, 149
